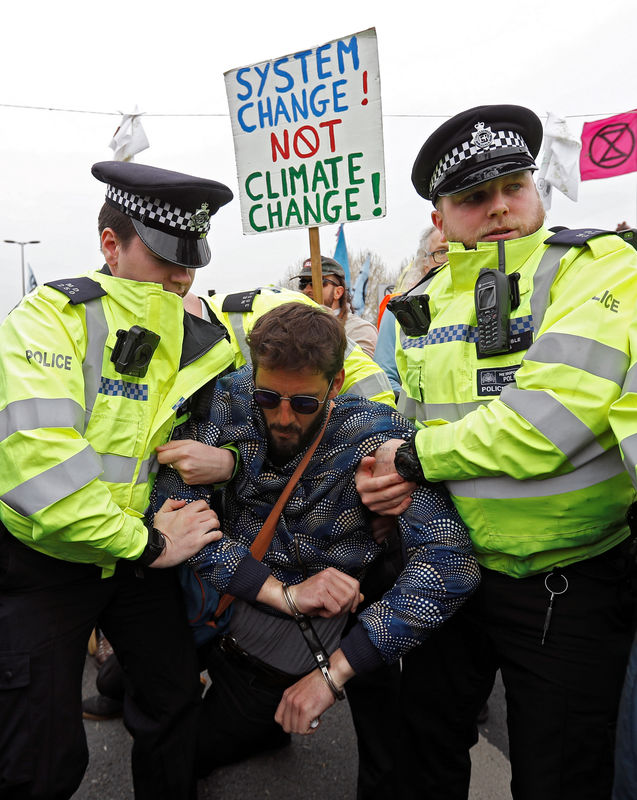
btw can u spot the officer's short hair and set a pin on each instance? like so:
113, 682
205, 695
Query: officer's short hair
118, 222
297, 336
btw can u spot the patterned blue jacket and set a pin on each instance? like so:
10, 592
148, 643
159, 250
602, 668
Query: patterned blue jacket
324, 523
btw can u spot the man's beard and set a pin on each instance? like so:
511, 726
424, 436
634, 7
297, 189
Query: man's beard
282, 452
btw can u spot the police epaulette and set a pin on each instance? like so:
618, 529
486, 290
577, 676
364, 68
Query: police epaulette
241, 301
576, 237
78, 290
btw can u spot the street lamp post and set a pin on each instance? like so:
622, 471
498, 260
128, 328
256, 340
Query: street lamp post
22, 245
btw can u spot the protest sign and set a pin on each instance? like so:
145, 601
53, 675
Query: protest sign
308, 136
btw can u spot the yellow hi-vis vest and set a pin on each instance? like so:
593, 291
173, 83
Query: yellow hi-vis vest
238, 312
77, 438
522, 440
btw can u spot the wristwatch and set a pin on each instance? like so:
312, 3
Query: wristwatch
407, 463
155, 546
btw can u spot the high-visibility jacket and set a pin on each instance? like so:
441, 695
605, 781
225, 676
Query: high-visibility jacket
522, 440
77, 438
623, 412
239, 312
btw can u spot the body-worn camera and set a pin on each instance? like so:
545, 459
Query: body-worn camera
134, 350
412, 313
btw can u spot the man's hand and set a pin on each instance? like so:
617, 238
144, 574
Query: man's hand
197, 462
308, 698
380, 487
329, 593
187, 529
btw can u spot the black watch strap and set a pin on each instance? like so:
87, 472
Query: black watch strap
406, 462
155, 546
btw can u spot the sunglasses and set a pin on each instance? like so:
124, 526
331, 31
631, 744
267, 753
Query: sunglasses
300, 403
303, 282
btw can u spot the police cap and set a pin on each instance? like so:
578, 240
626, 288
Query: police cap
170, 210
328, 267
475, 146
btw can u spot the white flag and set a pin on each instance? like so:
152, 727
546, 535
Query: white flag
129, 138
559, 167
31, 281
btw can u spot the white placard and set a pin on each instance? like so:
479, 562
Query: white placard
308, 136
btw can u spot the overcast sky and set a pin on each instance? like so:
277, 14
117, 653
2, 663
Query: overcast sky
169, 58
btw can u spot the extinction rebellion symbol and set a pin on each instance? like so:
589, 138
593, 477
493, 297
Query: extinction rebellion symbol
612, 145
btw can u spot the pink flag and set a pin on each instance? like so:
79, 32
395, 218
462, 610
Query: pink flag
609, 147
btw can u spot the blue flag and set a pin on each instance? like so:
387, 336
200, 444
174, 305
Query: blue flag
340, 253
31, 281
360, 288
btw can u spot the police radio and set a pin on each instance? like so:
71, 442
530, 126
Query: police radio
133, 351
493, 309
412, 313
495, 293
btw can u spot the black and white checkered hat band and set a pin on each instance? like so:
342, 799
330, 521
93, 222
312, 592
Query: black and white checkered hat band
450, 161
157, 213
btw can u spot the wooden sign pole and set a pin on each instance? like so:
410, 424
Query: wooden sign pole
317, 272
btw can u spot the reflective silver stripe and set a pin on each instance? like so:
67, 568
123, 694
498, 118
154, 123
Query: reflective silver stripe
371, 385
543, 280
37, 412
629, 449
236, 321
410, 408
560, 426
55, 483
118, 469
149, 465
451, 412
96, 335
580, 352
630, 384
601, 469
349, 348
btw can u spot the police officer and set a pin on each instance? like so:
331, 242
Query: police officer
524, 347
93, 372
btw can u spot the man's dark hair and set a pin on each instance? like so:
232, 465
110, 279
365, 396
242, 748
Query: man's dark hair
298, 336
121, 224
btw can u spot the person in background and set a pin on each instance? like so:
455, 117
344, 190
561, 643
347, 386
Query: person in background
336, 297
526, 350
